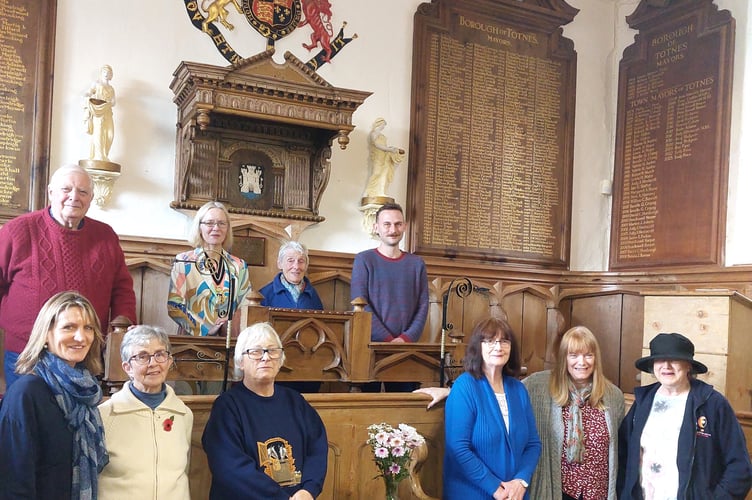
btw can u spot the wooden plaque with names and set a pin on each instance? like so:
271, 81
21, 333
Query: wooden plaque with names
492, 128
27, 36
672, 137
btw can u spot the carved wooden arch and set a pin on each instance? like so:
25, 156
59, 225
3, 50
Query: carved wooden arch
325, 339
395, 360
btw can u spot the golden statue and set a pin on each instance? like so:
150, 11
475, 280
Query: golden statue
382, 161
99, 122
100, 99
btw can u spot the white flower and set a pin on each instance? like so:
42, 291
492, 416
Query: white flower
392, 448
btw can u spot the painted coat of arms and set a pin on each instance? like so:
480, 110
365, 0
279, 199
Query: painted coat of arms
272, 19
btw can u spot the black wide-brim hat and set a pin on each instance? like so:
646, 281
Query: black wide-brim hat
670, 346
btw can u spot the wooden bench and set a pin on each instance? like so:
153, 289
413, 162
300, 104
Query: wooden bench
323, 346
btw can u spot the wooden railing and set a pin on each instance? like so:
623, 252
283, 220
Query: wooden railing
323, 346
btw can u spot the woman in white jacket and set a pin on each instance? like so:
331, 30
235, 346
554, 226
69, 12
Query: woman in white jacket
147, 428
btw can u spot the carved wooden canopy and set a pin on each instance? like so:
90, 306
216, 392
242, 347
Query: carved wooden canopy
257, 135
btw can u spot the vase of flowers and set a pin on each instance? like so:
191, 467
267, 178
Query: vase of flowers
392, 450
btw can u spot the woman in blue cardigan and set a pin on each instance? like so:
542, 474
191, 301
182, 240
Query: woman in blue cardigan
492, 445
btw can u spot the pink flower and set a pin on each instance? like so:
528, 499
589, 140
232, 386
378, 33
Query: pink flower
398, 451
395, 469
382, 438
396, 441
381, 452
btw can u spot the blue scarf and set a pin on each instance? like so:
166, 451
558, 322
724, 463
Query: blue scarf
295, 290
77, 393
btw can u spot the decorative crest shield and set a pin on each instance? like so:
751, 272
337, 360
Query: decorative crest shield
273, 19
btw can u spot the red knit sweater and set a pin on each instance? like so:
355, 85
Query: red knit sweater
39, 258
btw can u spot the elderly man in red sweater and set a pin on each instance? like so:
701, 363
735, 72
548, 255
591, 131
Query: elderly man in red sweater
55, 249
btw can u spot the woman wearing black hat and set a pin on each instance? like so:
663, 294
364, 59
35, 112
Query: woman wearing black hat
680, 439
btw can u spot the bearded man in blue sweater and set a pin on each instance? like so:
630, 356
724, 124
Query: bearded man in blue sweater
393, 282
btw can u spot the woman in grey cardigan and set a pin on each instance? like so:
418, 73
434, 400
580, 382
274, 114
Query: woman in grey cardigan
578, 412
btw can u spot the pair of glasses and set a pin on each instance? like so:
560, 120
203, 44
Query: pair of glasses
506, 343
214, 223
144, 358
257, 353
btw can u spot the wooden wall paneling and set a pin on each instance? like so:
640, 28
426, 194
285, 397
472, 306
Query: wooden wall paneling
602, 315
513, 306
631, 341
739, 383
28, 48
565, 308
199, 475
333, 288
137, 274
534, 338
153, 311
463, 313
432, 328
476, 307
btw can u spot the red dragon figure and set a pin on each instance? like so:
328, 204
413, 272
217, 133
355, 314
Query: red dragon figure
318, 14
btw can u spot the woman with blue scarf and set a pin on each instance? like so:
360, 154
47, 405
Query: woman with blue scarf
50, 428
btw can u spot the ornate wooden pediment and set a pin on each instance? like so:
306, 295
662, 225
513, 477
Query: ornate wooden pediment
257, 135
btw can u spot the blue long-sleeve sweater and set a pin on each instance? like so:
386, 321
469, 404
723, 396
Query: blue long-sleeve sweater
36, 445
396, 291
480, 453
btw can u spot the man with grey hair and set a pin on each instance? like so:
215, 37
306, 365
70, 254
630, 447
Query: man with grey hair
291, 288
55, 249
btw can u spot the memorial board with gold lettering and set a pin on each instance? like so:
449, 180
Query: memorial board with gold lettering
490, 173
27, 34
672, 140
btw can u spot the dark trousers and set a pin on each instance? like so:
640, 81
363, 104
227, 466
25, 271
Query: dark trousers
564, 496
390, 386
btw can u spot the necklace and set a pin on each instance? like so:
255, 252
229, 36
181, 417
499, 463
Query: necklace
215, 270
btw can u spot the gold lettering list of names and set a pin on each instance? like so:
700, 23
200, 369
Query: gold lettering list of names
493, 143
668, 159
13, 35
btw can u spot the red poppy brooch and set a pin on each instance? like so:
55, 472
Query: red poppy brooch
167, 424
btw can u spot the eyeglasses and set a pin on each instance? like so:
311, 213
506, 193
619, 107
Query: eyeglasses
257, 353
493, 344
214, 223
144, 358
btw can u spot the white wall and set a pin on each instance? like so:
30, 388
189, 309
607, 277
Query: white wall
145, 40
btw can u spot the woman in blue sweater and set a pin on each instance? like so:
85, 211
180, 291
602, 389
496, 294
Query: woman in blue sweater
492, 445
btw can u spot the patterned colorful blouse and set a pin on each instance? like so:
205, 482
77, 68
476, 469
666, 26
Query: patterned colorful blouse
589, 478
200, 289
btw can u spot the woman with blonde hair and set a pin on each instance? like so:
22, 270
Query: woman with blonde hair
207, 283
51, 432
578, 412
